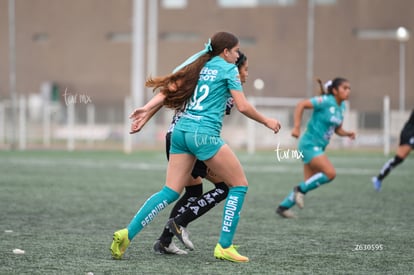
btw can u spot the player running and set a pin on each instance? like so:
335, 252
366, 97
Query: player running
326, 119
403, 150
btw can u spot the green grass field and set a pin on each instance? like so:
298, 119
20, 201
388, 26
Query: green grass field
62, 208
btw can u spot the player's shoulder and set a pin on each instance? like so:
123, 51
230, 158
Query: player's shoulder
343, 105
319, 99
220, 62
330, 100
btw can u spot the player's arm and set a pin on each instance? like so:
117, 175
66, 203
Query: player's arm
248, 110
139, 122
297, 116
156, 101
342, 133
142, 115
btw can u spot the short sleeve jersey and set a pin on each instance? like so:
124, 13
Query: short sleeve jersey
327, 115
204, 111
408, 128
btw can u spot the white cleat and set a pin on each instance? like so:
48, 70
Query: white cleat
299, 198
181, 233
286, 213
171, 249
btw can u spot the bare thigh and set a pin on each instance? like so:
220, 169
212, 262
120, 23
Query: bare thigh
227, 167
318, 164
179, 171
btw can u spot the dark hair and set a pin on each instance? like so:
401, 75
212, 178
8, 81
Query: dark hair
241, 60
336, 82
221, 41
187, 78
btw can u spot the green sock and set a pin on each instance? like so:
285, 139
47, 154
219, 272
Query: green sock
289, 201
314, 182
231, 214
150, 209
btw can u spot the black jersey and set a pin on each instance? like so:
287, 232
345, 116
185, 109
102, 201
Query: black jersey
407, 133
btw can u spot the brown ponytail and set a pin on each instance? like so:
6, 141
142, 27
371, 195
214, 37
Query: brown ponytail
186, 79
322, 89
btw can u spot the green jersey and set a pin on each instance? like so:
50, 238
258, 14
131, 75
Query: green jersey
204, 111
326, 117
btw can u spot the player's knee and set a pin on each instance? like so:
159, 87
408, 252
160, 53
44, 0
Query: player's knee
243, 182
239, 183
331, 174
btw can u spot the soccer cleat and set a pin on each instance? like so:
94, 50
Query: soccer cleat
285, 213
377, 183
229, 254
180, 232
299, 197
119, 244
160, 248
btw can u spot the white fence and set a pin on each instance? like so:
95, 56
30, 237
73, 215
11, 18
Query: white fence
45, 124
41, 122
282, 108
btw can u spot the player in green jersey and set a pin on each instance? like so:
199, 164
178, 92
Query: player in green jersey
203, 85
326, 119
193, 203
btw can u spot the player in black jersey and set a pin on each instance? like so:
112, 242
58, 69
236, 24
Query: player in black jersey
403, 150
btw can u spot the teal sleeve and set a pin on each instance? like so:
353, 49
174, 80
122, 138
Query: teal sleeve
320, 102
233, 79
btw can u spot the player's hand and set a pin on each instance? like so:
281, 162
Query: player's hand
137, 125
138, 113
295, 132
351, 135
139, 118
273, 124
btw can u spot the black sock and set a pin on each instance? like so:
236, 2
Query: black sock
300, 190
282, 208
388, 166
203, 204
190, 195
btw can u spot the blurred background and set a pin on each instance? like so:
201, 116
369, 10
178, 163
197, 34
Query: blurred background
71, 71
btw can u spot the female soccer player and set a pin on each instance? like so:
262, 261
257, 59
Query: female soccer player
327, 117
403, 150
193, 204
204, 84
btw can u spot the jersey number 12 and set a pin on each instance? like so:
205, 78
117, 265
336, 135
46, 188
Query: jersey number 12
199, 95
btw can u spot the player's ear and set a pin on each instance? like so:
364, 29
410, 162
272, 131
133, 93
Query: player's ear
226, 52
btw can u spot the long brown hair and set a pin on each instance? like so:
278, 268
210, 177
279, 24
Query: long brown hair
186, 79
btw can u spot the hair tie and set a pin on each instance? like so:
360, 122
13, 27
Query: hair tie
327, 84
191, 59
208, 47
